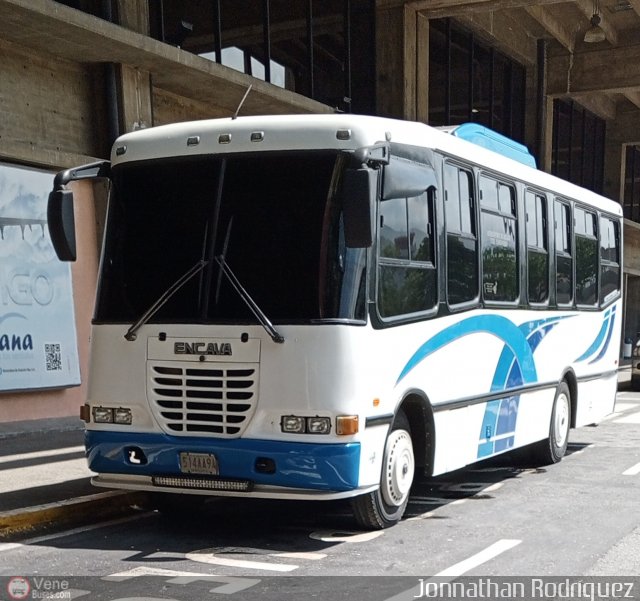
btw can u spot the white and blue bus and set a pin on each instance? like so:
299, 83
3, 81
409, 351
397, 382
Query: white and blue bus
317, 307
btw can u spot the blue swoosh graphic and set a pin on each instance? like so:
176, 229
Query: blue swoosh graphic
498, 428
595, 345
605, 346
532, 332
496, 325
515, 367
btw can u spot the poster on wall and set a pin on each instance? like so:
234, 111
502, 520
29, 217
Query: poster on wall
38, 346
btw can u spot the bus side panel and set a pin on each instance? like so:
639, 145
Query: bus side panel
481, 353
457, 436
534, 417
596, 399
480, 431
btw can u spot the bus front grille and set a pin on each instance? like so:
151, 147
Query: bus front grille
214, 400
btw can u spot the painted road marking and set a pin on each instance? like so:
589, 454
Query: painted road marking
422, 500
76, 593
632, 471
479, 558
207, 556
39, 454
212, 558
619, 410
423, 516
477, 488
9, 546
631, 418
231, 584
577, 449
494, 487
301, 555
429, 500
458, 569
345, 536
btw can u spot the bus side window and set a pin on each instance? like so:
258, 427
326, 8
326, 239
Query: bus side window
407, 282
586, 257
563, 254
537, 247
609, 259
500, 274
462, 244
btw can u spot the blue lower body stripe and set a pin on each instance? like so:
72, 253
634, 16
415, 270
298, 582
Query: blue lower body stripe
498, 427
327, 467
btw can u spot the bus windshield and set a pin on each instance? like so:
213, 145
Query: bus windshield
272, 218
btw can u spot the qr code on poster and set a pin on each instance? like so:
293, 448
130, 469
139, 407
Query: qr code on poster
53, 357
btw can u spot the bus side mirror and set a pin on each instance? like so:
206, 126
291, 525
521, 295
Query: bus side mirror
61, 223
358, 192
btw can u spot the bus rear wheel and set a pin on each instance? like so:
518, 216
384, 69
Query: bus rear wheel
385, 506
552, 449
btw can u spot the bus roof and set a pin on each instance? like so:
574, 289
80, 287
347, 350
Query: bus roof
326, 132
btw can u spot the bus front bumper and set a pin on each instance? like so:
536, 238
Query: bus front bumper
243, 467
146, 483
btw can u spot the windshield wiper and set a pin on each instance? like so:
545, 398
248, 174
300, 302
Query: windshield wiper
246, 297
153, 309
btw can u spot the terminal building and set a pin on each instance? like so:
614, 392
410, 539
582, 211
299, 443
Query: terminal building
561, 77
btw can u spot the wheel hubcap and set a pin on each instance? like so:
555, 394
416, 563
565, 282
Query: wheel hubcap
561, 424
399, 468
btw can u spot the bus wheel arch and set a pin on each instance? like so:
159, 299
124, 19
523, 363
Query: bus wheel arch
569, 377
410, 445
419, 412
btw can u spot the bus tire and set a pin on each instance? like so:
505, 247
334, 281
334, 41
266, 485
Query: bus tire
385, 506
552, 449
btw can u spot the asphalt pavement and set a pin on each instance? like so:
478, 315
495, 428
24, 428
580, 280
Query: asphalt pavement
45, 482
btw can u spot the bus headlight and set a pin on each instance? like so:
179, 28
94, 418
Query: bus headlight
103, 415
318, 425
293, 424
123, 416
296, 424
110, 415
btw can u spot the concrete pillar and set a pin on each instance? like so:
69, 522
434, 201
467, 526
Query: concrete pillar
135, 107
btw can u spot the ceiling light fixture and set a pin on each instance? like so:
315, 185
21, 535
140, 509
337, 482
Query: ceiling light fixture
595, 33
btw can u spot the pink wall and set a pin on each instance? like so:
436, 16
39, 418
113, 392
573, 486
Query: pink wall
66, 402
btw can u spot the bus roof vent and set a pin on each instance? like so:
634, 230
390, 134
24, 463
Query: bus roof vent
492, 140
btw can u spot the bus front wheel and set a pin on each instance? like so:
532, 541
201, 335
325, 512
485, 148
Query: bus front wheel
552, 449
385, 506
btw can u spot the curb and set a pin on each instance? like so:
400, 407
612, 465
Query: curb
72, 511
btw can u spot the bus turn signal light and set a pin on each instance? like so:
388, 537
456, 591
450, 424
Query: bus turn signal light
346, 425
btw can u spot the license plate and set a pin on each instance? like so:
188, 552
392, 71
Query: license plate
198, 463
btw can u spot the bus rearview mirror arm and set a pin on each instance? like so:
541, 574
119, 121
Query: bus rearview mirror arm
60, 215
